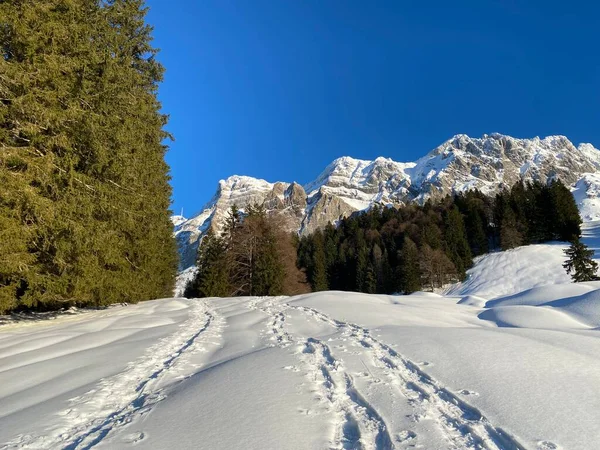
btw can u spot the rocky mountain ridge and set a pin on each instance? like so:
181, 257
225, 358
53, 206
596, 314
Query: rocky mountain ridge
348, 185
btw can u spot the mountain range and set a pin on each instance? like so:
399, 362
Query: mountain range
347, 185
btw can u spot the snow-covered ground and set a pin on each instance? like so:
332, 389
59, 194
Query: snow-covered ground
510, 359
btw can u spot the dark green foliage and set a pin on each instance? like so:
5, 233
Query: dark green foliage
212, 279
580, 264
455, 240
415, 247
564, 214
318, 274
409, 272
84, 193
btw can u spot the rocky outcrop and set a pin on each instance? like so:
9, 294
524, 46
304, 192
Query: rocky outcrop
348, 185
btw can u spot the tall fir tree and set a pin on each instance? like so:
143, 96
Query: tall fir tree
580, 263
319, 269
456, 243
409, 273
212, 278
82, 155
564, 213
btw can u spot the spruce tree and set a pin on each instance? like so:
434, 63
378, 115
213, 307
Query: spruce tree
564, 212
580, 264
409, 273
212, 278
319, 269
456, 243
82, 156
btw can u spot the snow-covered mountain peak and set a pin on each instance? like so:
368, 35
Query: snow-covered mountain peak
178, 220
488, 163
242, 182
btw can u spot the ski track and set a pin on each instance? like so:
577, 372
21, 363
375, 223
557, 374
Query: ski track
120, 399
358, 424
463, 425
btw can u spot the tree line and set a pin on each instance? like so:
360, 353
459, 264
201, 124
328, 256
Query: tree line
384, 250
84, 187
254, 255
406, 249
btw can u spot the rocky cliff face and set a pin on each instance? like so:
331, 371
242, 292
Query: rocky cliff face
347, 185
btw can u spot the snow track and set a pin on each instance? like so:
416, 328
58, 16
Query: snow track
358, 424
118, 400
463, 425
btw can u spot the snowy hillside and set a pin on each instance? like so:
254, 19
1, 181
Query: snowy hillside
510, 360
328, 370
348, 185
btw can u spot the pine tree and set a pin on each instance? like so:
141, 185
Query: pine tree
580, 264
319, 270
564, 213
409, 273
457, 245
268, 273
82, 156
212, 278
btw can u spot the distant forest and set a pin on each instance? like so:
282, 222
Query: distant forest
384, 250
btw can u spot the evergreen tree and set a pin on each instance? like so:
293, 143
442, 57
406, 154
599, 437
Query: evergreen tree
457, 245
409, 273
82, 156
361, 262
580, 264
268, 273
564, 213
212, 278
319, 271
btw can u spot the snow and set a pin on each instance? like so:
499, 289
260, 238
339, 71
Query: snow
509, 359
461, 163
323, 370
504, 273
587, 195
183, 278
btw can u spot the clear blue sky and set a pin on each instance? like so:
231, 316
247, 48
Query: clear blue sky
277, 89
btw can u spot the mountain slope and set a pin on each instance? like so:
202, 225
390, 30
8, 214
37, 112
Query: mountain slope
347, 185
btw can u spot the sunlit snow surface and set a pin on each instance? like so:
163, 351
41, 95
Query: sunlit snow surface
506, 362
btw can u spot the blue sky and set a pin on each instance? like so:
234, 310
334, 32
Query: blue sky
277, 89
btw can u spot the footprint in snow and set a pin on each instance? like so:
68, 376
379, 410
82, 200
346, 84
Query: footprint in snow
547, 445
467, 392
406, 435
134, 437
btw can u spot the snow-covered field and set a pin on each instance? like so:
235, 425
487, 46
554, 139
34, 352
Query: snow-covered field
510, 359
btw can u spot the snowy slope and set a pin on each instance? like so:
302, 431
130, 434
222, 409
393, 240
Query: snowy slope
327, 370
587, 195
504, 273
